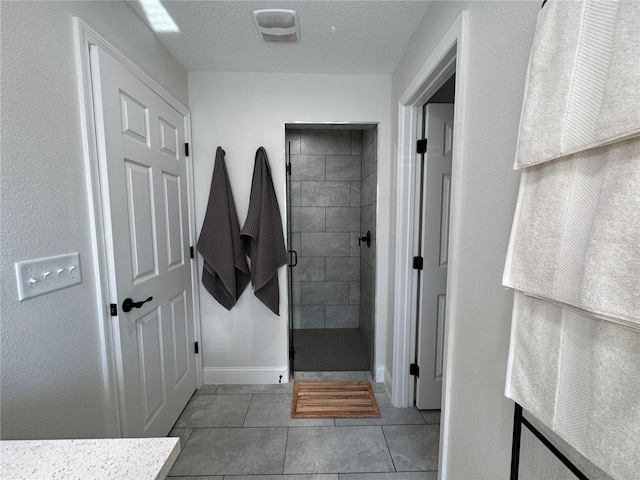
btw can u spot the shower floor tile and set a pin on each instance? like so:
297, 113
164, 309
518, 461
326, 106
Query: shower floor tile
331, 349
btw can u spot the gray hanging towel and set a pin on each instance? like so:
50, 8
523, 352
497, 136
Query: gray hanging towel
262, 235
226, 273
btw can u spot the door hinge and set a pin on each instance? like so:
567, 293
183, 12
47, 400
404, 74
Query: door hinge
421, 147
114, 309
414, 370
288, 168
186, 149
418, 263
192, 252
197, 349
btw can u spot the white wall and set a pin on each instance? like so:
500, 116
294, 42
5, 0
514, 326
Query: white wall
241, 112
52, 379
479, 417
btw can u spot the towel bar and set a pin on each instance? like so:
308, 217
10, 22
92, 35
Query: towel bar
518, 421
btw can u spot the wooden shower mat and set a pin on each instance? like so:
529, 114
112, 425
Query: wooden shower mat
333, 400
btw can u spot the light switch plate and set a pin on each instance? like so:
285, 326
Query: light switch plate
46, 275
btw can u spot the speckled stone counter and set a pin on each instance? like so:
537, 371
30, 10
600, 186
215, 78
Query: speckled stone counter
111, 458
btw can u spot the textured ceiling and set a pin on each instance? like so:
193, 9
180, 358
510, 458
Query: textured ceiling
341, 37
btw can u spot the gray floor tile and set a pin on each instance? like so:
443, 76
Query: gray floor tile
197, 478
206, 390
389, 415
390, 476
336, 449
249, 389
377, 387
183, 433
233, 451
275, 411
413, 447
282, 477
330, 376
204, 411
431, 417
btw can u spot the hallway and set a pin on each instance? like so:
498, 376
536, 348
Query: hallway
246, 432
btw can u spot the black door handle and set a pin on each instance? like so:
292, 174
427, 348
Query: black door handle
129, 304
294, 262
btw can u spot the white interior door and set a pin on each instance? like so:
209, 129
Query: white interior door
143, 178
432, 296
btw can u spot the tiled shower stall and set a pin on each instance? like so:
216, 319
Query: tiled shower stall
333, 188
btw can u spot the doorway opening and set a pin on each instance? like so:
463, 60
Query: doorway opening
448, 57
331, 230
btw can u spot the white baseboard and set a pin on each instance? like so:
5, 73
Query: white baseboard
379, 370
388, 380
245, 375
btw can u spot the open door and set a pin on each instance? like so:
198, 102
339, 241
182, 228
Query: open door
434, 241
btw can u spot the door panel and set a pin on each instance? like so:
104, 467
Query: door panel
173, 220
436, 201
444, 220
180, 334
135, 119
151, 364
440, 315
169, 139
142, 235
143, 183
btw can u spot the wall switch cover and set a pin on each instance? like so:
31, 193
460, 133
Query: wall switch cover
46, 275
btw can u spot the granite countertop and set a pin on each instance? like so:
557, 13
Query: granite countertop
109, 458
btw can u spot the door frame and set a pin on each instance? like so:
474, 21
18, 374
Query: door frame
450, 56
376, 370
103, 275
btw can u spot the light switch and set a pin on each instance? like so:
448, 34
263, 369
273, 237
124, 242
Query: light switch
35, 276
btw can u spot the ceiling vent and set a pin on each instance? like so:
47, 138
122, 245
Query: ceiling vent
275, 25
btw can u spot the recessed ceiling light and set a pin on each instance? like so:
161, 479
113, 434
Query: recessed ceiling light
276, 25
158, 17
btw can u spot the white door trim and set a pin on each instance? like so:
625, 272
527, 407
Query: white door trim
448, 57
103, 275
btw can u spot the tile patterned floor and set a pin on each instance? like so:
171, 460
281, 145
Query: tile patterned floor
246, 432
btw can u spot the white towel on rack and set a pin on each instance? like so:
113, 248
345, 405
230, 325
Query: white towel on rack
576, 232
579, 376
583, 83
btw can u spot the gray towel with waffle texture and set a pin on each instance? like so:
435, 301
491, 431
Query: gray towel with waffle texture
225, 274
262, 235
